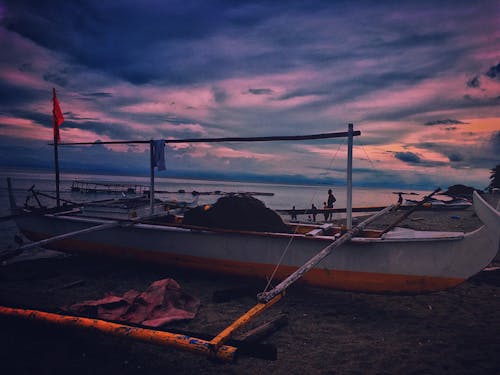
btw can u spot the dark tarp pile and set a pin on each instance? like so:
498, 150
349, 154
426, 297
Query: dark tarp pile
163, 302
238, 212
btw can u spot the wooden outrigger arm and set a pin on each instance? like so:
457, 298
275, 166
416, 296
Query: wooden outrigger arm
268, 299
217, 341
11, 253
179, 341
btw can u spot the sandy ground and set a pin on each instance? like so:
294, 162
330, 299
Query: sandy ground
329, 332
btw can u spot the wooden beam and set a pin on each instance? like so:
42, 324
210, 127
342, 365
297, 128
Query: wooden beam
230, 139
265, 329
255, 311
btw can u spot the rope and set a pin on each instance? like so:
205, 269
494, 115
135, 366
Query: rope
367, 156
270, 279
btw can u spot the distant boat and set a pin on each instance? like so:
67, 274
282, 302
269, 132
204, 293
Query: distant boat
438, 204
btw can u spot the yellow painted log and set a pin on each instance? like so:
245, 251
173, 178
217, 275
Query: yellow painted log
224, 353
218, 340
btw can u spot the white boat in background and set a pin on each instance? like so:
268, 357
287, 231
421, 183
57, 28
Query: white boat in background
394, 260
438, 204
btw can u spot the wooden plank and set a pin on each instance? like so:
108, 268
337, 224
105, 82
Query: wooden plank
255, 311
322, 229
265, 329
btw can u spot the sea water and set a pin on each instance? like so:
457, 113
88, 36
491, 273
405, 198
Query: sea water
281, 196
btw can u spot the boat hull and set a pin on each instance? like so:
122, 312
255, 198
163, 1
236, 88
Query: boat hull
400, 261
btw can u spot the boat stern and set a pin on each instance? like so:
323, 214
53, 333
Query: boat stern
491, 219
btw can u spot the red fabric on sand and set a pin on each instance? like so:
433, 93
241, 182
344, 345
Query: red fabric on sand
161, 303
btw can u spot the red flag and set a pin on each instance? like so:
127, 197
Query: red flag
58, 116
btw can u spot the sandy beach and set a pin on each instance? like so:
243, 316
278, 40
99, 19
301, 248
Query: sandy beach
328, 332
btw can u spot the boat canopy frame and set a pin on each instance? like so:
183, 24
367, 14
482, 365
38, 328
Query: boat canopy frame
349, 134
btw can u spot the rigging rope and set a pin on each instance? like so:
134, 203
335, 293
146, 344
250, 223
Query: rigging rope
367, 156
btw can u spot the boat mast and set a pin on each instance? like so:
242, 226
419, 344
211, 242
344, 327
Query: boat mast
350, 134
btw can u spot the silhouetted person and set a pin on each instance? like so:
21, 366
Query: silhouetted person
313, 211
330, 202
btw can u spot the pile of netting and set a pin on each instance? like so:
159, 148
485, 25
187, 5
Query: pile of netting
236, 211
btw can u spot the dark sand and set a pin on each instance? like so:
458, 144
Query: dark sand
329, 332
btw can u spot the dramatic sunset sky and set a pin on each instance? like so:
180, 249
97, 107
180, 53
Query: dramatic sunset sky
419, 79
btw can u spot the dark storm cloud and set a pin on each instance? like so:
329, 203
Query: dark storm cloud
494, 72
59, 78
455, 157
43, 119
260, 91
481, 155
474, 82
13, 95
414, 159
447, 121
220, 95
98, 95
408, 157
139, 42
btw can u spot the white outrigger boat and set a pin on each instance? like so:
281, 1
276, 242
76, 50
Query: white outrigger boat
394, 260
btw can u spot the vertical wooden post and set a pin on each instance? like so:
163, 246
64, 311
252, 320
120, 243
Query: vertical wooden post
56, 165
152, 183
349, 177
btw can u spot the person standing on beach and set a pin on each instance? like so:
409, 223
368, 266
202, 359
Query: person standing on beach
313, 210
330, 202
325, 213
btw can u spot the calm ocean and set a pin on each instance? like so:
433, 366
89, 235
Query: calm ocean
284, 196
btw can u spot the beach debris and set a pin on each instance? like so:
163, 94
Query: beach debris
265, 329
162, 302
417, 218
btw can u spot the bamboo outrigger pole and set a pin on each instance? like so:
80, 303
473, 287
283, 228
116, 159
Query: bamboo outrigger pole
228, 139
179, 341
12, 253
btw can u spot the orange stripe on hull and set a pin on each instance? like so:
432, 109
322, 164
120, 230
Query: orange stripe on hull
335, 279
